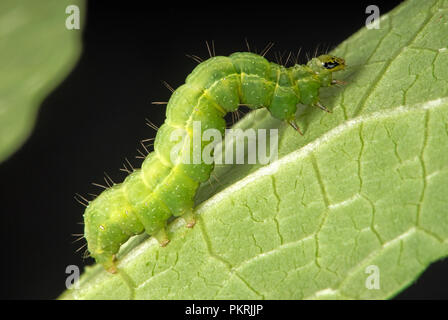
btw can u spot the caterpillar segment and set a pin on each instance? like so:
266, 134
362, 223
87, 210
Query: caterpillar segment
166, 185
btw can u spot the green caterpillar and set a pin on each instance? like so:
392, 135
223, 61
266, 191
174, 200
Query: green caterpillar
166, 187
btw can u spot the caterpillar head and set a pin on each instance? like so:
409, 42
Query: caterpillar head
326, 63
323, 67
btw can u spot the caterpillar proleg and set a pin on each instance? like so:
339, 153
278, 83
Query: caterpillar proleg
165, 186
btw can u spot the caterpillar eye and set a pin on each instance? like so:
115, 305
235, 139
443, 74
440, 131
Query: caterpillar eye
330, 65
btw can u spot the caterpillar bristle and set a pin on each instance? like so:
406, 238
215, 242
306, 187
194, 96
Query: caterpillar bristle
167, 86
266, 49
78, 239
287, 59
194, 58
198, 58
239, 114
211, 52
278, 58
93, 195
296, 61
141, 154
86, 254
285, 54
80, 248
125, 170
317, 50
80, 201
151, 124
82, 197
159, 102
247, 45
307, 56
107, 182
108, 179
281, 58
129, 163
144, 147
125, 167
99, 185
145, 142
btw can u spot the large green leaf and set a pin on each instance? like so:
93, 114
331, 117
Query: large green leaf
36, 52
365, 186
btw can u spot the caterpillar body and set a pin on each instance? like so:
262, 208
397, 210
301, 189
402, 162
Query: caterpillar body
166, 187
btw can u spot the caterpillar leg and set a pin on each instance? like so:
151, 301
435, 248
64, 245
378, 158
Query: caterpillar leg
110, 265
162, 237
293, 124
322, 107
190, 218
338, 82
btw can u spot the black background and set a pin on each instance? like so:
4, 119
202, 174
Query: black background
96, 117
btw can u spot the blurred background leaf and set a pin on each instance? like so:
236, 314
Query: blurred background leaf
37, 52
